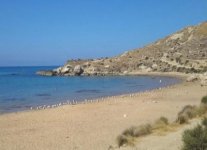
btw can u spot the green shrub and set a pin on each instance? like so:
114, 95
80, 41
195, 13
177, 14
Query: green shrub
195, 139
204, 122
204, 100
203, 106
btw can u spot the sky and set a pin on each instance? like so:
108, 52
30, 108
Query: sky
50, 32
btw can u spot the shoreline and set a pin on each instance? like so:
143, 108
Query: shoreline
95, 126
179, 76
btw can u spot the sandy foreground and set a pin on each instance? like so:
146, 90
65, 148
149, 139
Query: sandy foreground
95, 126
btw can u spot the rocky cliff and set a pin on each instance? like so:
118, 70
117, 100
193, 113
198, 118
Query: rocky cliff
184, 51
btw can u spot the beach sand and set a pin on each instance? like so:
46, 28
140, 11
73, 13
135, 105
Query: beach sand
95, 126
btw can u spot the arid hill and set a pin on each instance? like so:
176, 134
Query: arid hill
184, 51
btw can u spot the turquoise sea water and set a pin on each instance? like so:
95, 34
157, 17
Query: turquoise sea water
21, 88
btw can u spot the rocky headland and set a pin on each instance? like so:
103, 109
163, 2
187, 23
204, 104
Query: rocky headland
184, 51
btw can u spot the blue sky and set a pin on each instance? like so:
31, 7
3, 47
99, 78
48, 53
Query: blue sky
49, 32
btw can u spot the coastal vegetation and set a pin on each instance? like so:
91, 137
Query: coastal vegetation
204, 100
195, 138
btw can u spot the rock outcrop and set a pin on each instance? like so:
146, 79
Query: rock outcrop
46, 73
78, 70
185, 51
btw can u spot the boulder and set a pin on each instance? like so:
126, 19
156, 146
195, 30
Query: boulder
154, 66
91, 70
192, 78
125, 72
66, 69
107, 66
142, 67
57, 70
165, 55
46, 73
149, 69
78, 70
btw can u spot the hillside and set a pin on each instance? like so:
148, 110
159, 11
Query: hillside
184, 51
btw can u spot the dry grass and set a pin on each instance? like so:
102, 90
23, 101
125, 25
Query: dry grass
188, 112
123, 140
138, 131
160, 123
128, 135
201, 109
166, 129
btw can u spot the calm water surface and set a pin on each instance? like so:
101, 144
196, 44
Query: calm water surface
21, 88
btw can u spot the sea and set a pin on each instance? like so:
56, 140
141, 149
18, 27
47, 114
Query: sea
21, 88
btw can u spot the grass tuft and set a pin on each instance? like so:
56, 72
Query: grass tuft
138, 131
128, 135
160, 123
188, 112
123, 140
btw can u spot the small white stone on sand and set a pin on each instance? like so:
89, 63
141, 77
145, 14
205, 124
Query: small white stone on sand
124, 115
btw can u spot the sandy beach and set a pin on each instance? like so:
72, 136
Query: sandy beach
95, 126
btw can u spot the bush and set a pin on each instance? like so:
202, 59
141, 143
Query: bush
128, 135
182, 119
138, 131
195, 139
204, 122
201, 110
143, 130
121, 140
161, 122
130, 131
188, 112
204, 100
203, 106
164, 120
